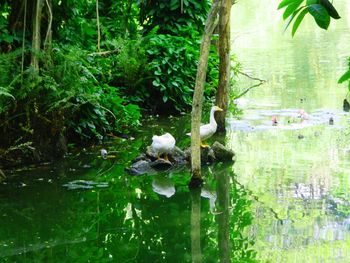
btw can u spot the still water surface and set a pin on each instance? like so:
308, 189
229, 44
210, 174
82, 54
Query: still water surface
286, 199
299, 169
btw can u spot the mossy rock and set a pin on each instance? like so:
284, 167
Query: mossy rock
221, 153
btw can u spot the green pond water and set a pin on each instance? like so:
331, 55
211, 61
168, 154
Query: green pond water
286, 198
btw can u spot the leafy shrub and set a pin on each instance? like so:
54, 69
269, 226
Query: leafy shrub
95, 109
127, 68
173, 68
67, 98
171, 18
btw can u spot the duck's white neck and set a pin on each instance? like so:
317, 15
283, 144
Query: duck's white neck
212, 118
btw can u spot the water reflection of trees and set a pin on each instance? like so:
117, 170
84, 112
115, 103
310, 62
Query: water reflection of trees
231, 217
236, 217
129, 222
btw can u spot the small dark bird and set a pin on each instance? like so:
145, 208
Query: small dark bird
331, 121
346, 105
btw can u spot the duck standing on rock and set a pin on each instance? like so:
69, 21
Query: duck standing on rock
208, 130
163, 144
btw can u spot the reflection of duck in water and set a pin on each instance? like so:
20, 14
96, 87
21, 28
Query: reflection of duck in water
211, 195
163, 186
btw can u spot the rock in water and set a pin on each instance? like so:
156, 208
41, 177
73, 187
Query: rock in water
179, 156
140, 167
161, 164
151, 153
222, 153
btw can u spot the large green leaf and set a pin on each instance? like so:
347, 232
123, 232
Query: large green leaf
330, 9
298, 20
320, 15
285, 3
312, 2
345, 77
292, 8
292, 17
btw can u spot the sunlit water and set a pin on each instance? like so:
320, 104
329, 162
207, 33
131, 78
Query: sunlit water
286, 199
298, 169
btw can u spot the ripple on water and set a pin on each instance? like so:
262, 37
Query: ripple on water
84, 185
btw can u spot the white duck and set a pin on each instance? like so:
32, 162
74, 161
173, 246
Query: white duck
163, 144
207, 130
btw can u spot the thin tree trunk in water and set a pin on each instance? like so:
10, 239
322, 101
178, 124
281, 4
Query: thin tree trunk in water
36, 34
196, 226
223, 218
198, 90
224, 67
98, 28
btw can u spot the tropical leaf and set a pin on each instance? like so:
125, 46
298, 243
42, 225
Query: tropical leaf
285, 3
291, 8
330, 9
320, 15
292, 17
298, 20
312, 2
344, 77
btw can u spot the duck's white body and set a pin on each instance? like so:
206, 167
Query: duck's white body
163, 144
208, 130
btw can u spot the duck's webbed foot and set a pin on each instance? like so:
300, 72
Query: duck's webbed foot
204, 145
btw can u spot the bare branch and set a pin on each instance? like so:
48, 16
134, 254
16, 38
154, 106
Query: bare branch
261, 81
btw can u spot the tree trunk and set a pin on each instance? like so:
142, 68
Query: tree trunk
36, 33
98, 28
224, 67
198, 90
48, 37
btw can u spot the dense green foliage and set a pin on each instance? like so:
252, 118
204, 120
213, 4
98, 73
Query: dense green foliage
87, 85
172, 16
173, 67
